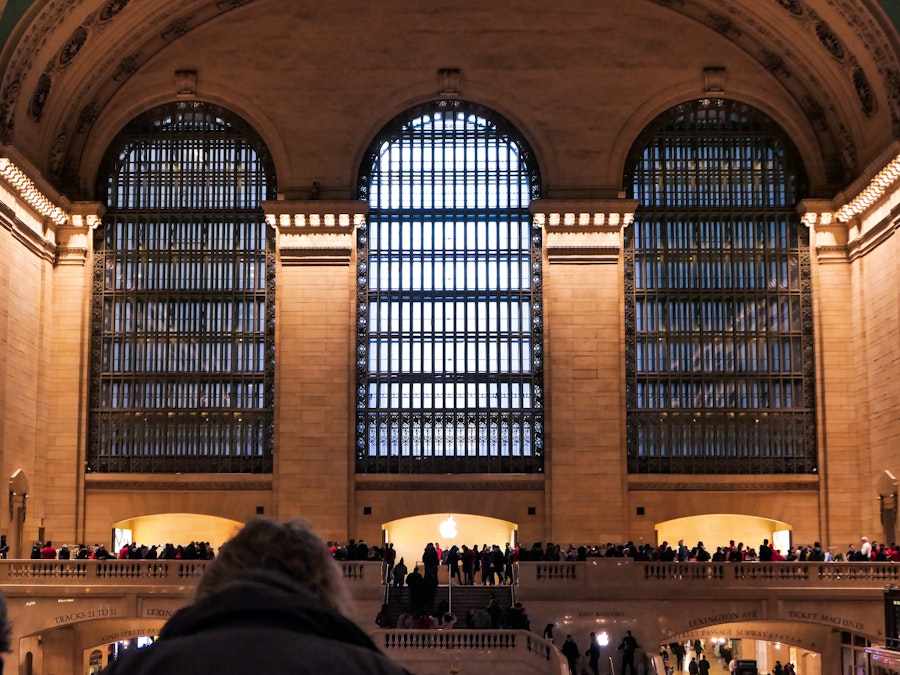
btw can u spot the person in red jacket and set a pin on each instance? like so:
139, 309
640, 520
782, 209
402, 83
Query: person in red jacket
48, 552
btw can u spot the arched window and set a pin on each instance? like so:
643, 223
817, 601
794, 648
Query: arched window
182, 340
719, 351
449, 345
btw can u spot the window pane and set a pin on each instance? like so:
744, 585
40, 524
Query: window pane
184, 283
718, 309
450, 367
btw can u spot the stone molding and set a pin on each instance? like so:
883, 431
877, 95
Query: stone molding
315, 232
584, 231
193, 485
715, 486
442, 485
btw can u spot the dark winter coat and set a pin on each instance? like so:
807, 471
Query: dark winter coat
263, 622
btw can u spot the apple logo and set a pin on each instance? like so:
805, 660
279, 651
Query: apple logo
448, 528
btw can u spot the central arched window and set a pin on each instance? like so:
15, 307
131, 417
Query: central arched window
449, 348
182, 330
718, 315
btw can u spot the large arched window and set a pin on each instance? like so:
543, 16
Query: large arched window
719, 351
182, 330
449, 345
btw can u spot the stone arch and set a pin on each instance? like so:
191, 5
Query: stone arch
177, 528
716, 529
410, 534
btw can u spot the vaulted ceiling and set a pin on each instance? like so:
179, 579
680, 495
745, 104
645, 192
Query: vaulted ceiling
67, 63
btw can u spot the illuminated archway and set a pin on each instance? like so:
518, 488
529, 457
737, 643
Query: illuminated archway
409, 535
176, 528
717, 529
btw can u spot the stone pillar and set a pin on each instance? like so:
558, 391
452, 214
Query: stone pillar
585, 356
66, 381
18, 493
314, 324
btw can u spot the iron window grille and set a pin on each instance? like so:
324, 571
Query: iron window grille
449, 335
718, 312
182, 326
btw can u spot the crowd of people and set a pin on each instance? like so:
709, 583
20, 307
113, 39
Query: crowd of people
199, 550
415, 614
492, 564
299, 572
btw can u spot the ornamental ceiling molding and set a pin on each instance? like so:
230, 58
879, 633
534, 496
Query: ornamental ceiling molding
790, 66
160, 28
94, 24
872, 35
40, 29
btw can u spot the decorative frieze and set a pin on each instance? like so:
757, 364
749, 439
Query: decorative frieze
315, 232
848, 230
872, 193
29, 193
583, 232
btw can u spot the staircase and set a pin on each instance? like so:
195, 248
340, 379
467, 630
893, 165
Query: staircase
460, 598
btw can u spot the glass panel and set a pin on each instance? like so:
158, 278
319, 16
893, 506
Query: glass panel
449, 344
182, 340
719, 347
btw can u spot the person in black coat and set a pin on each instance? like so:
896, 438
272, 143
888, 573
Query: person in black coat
283, 611
571, 652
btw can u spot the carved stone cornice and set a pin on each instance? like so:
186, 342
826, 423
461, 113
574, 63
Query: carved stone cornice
315, 232
73, 240
583, 231
828, 236
858, 220
29, 193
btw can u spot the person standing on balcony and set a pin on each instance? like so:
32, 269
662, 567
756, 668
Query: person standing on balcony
468, 565
865, 550
399, 573
700, 554
765, 551
272, 601
430, 560
453, 563
498, 564
390, 557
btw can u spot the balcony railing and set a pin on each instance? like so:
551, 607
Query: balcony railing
527, 651
615, 572
594, 572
